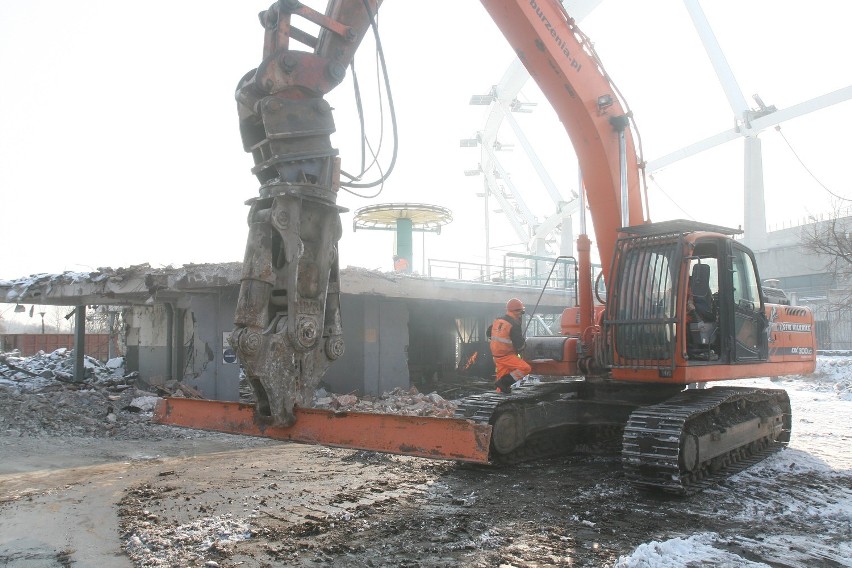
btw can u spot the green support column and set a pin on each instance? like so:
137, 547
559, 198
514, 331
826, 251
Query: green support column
405, 241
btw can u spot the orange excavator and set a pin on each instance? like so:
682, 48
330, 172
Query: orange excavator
684, 302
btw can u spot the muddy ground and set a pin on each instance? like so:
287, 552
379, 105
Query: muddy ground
182, 498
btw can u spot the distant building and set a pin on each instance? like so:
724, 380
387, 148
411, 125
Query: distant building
802, 276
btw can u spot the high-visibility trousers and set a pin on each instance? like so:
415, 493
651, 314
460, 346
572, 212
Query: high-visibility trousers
511, 365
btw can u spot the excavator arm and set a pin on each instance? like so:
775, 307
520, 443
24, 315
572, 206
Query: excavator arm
563, 63
288, 327
287, 322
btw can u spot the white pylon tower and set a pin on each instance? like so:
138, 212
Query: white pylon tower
749, 123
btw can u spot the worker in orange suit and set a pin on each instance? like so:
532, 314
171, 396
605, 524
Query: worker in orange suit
507, 342
400, 263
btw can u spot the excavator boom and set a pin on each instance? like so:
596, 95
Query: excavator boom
288, 326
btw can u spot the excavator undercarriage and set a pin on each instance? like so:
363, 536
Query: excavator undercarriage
670, 440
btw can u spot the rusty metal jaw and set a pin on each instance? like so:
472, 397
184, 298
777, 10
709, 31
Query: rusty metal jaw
288, 325
282, 377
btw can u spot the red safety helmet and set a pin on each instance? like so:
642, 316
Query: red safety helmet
514, 305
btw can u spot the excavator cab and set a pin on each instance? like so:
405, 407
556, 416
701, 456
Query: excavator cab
683, 295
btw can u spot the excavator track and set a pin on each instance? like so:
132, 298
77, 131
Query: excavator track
699, 437
500, 411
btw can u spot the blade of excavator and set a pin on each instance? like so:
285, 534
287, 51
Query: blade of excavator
428, 437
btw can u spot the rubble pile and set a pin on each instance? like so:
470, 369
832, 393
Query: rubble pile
57, 365
39, 396
408, 402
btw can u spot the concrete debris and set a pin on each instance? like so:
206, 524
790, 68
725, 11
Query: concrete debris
40, 397
153, 545
144, 403
57, 365
408, 402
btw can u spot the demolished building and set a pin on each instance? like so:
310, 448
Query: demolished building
399, 330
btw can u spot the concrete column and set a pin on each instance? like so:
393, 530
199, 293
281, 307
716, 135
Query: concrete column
112, 336
79, 344
372, 348
178, 355
170, 341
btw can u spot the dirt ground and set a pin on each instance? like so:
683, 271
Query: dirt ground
174, 497
198, 503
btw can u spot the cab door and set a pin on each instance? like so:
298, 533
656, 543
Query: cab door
747, 337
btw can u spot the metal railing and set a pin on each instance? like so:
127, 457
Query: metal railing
517, 270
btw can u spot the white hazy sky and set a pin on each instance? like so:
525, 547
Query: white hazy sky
119, 142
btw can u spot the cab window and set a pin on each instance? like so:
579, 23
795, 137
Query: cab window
745, 291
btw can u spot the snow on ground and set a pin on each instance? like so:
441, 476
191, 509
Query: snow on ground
822, 423
696, 550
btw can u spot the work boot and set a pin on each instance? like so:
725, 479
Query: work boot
504, 384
